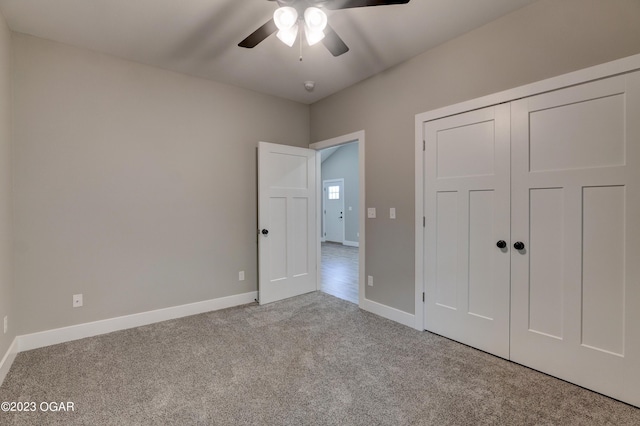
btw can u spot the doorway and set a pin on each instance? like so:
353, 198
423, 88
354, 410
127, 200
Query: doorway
341, 250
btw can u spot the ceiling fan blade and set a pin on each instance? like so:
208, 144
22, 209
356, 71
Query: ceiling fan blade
333, 42
259, 35
347, 4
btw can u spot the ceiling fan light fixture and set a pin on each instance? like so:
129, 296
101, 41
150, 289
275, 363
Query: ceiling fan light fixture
286, 22
315, 19
288, 35
312, 36
285, 17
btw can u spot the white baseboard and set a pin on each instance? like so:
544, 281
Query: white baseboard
388, 312
66, 334
7, 359
351, 243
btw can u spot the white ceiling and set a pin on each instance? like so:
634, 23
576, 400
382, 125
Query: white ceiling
200, 37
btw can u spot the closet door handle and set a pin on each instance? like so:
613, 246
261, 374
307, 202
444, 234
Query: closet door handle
501, 244
265, 231
519, 245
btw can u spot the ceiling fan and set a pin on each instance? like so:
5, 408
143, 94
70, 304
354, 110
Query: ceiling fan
308, 14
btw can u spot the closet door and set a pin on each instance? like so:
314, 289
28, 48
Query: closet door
575, 309
467, 212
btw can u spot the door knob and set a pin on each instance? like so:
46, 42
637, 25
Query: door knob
519, 245
501, 244
265, 231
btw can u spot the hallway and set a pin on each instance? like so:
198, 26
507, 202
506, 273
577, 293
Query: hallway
339, 271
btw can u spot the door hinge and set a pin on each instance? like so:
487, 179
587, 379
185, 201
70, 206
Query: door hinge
423, 297
424, 145
424, 221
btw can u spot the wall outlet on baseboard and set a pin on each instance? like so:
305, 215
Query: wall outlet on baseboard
6, 324
370, 280
77, 300
241, 276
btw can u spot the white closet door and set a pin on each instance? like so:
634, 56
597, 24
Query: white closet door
575, 309
467, 212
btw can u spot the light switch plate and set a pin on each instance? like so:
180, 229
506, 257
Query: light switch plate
371, 212
392, 213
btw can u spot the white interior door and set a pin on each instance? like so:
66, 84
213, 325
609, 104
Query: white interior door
576, 208
333, 210
287, 221
467, 212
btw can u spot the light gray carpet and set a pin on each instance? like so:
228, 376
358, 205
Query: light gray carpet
310, 360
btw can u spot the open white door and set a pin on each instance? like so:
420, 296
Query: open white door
287, 221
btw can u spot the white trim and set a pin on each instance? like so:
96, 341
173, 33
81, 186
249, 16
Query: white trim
609, 69
323, 210
388, 312
341, 140
66, 334
7, 359
351, 243
419, 227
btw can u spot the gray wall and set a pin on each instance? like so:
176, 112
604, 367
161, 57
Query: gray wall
133, 185
548, 38
6, 229
136, 186
343, 164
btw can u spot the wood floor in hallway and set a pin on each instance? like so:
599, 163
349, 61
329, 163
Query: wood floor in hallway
339, 271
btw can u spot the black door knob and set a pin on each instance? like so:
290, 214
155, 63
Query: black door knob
501, 244
265, 231
519, 245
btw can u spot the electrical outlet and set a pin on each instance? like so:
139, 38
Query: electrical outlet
241, 276
392, 213
77, 300
6, 323
370, 281
371, 212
